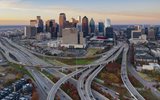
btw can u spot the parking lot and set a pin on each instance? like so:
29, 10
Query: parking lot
18, 90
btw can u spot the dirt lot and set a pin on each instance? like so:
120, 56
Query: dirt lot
6, 77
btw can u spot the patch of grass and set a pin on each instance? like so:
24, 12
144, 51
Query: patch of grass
20, 68
147, 94
9, 82
135, 82
50, 76
93, 51
145, 76
123, 92
111, 73
159, 89
82, 61
54, 62
153, 75
77, 61
73, 61
119, 59
66, 61
112, 79
97, 88
71, 90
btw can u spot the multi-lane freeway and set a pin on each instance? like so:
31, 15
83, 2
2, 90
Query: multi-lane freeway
45, 85
27, 58
124, 76
81, 81
145, 83
84, 87
55, 88
17, 54
62, 80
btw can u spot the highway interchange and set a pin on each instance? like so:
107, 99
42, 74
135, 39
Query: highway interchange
125, 79
88, 72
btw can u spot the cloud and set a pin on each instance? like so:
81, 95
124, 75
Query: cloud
23, 9
8, 3
20, 5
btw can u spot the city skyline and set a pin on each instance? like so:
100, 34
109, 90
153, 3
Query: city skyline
19, 12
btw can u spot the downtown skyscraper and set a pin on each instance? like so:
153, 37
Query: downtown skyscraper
62, 22
92, 26
52, 27
40, 25
108, 29
85, 28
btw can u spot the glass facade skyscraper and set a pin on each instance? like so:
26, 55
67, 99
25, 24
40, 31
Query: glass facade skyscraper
101, 27
109, 32
52, 27
157, 33
92, 26
108, 23
62, 22
40, 25
85, 28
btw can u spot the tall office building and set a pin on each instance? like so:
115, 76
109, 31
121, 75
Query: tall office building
79, 19
40, 25
101, 27
47, 29
72, 23
72, 38
62, 22
30, 32
135, 34
92, 26
108, 30
79, 24
157, 33
137, 27
85, 28
32, 29
129, 31
146, 30
151, 34
33, 23
27, 31
79, 27
107, 23
52, 27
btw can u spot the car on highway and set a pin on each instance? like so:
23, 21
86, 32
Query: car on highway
91, 96
45, 88
117, 93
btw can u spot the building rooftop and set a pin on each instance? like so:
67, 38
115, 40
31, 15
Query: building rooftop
140, 54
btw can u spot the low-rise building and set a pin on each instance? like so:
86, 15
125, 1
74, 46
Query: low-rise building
150, 67
156, 52
147, 67
54, 44
144, 58
43, 36
138, 37
141, 48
